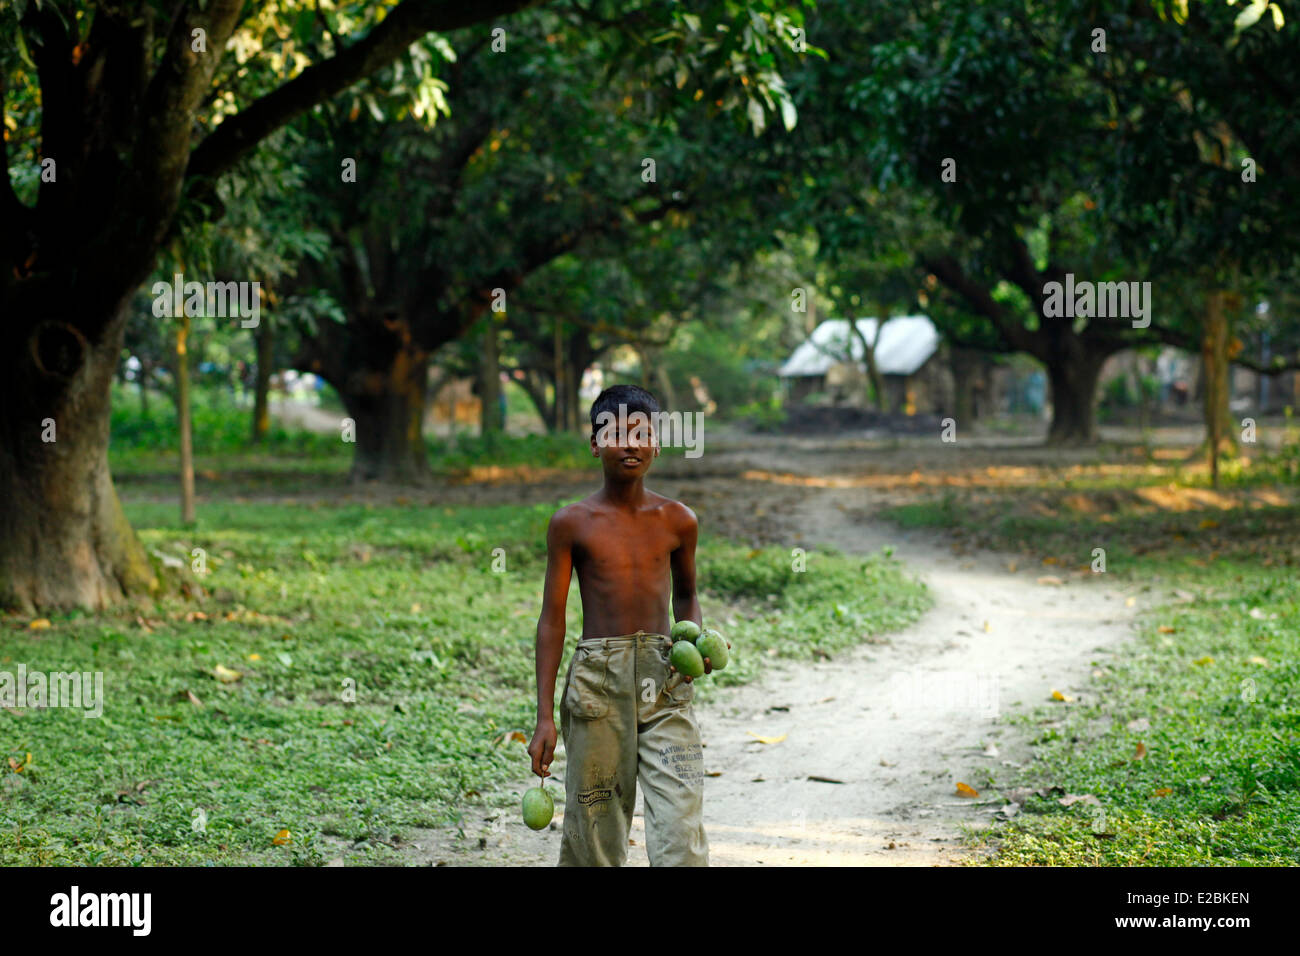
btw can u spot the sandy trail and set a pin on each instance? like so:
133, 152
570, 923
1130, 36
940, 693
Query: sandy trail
899, 722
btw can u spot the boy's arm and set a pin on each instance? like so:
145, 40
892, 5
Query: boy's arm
550, 638
686, 606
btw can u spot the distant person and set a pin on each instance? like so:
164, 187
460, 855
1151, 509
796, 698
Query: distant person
626, 715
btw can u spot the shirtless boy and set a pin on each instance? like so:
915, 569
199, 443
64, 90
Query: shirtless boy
625, 714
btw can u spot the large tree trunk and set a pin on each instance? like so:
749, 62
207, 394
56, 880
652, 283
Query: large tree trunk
1073, 378
64, 540
382, 376
262, 383
387, 409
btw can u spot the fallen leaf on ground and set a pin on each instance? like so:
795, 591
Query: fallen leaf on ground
966, 790
282, 838
767, 740
193, 699
1070, 799
1139, 724
225, 674
1141, 752
818, 779
1051, 579
1203, 661
1163, 792
1166, 629
1057, 695
18, 767
1263, 661
40, 624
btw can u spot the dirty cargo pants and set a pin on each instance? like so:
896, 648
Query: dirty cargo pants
624, 721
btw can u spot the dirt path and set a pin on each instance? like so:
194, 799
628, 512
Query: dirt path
898, 723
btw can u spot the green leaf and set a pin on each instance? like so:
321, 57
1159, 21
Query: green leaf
789, 116
22, 48
1248, 17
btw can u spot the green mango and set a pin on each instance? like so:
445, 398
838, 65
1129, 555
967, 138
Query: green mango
713, 645
685, 631
538, 808
686, 658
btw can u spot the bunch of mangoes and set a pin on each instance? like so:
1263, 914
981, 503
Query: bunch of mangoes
691, 645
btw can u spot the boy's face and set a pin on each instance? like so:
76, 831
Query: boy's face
625, 453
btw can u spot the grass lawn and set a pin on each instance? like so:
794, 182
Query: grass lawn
1189, 740
378, 677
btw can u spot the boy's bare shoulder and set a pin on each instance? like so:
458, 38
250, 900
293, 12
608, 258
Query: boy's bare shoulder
566, 518
570, 517
678, 514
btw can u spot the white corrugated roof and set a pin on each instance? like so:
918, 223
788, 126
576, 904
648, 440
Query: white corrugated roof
906, 343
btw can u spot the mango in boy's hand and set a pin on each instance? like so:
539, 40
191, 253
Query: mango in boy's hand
538, 808
713, 645
687, 659
685, 631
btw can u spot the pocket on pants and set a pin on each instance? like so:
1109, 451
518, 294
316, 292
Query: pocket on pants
679, 692
682, 694
587, 696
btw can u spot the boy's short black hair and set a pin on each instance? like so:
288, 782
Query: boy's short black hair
636, 398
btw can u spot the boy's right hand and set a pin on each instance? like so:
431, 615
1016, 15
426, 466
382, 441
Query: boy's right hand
542, 749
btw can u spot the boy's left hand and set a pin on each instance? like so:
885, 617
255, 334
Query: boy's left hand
708, 667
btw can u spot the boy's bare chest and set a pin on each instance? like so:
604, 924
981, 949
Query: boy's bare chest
625, 547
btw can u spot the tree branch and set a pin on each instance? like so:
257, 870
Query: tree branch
411, 20
948, 271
